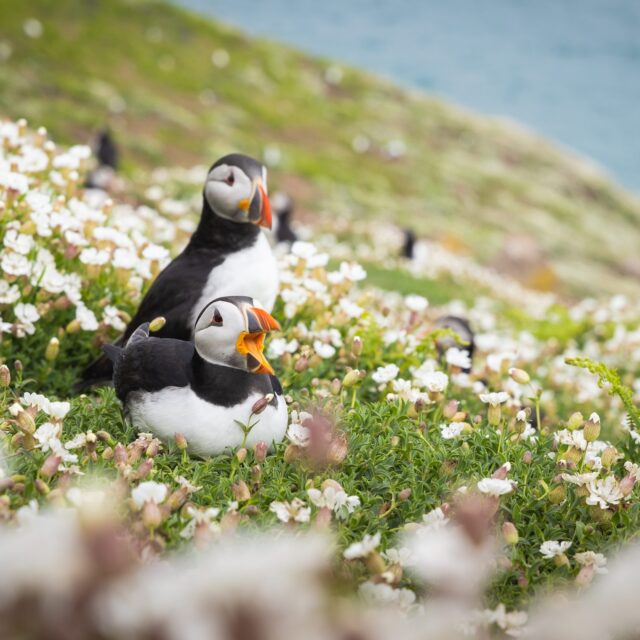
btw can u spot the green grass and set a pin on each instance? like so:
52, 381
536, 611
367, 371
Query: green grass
145, 68
388, 452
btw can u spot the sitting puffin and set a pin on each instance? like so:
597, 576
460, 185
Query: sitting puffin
227, 255
206, 388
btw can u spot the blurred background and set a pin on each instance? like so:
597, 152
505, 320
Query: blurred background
506, 132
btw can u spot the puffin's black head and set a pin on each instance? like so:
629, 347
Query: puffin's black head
236, 189
231, 331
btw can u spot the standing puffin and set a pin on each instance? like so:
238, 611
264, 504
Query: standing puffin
226, 255
283, 207
206, 388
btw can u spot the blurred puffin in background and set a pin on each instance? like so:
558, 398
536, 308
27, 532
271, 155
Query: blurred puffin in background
408, 244
108, 157
463, 330
226, 255
205, 388
283, 207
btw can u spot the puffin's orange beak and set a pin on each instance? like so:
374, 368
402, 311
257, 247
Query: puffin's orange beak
265, 212
251, 342
259, 207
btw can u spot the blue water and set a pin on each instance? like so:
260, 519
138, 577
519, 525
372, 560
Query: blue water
569, 69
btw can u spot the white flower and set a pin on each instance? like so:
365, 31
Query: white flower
592, 559
26, 313
45, 434
15, 264
93, 256
552, 548
352, 271
511, 623
200, 517
295, 511
112, 318
604, 492
385, 374
382, 594
8, 293
363, 548
35, 400
304, 250
351, 308
453, 430
571, 438
149, 491
337, 501
434, 519
57, 410
402, 556
458, 358
155, 252
18, 242
495, 398
434, 381
279, 346
416, 303
580, 479
495, 486
86, 318
324, 350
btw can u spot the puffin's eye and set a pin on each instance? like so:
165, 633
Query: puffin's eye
230, 179
217, 318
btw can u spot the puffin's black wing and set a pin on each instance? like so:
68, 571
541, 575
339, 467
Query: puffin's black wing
151, 364
172, 295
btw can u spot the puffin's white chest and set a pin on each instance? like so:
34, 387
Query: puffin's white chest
209, 429
251, 272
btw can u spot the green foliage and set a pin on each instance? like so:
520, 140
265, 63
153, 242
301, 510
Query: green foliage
609, 379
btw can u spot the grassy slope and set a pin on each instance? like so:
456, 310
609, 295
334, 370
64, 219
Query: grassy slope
472, 181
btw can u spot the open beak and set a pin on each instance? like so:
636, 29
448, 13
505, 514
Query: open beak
251, 342
260, 207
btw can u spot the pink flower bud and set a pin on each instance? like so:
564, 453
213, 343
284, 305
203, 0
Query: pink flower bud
181, 441
261, 404
240, 491
120, 454
626, 484
450, 409
5, 376
260, 451
151, 515
50, 466
241, 454
501, 473
337, 450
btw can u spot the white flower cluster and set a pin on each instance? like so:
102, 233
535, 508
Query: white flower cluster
57, 237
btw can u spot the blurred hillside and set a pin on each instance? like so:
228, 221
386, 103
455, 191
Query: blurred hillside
178, 89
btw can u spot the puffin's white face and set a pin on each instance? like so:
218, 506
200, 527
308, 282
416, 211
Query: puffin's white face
231, 331
233, 195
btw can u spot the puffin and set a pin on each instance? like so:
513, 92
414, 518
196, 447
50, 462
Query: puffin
408, 244
463, 329
227, 255
283, 208
204, 388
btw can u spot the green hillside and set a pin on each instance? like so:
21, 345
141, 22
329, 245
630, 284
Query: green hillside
147, 69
